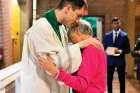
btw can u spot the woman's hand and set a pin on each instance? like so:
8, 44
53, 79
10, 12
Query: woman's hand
47, 64
90, 41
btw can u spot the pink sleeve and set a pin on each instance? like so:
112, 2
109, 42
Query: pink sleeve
85, 73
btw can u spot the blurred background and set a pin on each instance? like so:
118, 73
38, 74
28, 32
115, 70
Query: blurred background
16, 16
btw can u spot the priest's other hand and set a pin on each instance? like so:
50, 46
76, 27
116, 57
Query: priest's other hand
91, 41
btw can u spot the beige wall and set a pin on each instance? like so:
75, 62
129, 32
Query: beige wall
25, 18
131, 34
133, 12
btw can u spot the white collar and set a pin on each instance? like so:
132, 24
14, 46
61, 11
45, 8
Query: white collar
117, 31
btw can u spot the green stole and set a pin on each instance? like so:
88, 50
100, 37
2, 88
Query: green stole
51, 17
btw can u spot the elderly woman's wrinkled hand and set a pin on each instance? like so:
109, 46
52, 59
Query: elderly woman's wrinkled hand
47, 64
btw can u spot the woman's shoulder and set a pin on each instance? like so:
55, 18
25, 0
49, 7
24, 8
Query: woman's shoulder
90, 48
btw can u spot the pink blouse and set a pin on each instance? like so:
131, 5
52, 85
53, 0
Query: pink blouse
91, 76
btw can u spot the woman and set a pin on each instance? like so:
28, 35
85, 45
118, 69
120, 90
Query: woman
91, 75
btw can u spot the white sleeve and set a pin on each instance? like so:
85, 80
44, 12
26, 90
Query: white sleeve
69, 58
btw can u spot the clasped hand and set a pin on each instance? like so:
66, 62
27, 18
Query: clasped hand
48, 64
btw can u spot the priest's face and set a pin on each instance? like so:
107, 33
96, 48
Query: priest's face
72, 16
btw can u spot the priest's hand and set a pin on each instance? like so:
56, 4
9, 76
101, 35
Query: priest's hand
47, 64
90, 41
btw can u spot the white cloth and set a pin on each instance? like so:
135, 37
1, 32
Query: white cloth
41, 39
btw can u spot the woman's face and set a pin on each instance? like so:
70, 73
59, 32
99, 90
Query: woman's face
76, 37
